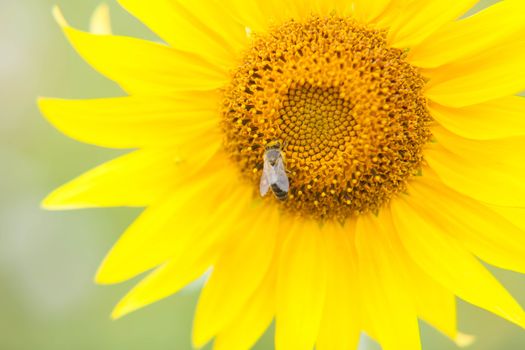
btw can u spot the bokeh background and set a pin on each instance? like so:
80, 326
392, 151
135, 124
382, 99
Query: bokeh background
48, 259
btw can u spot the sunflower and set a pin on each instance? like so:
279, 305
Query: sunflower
397, 141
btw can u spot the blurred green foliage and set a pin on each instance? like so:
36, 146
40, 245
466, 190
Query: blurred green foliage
47, 259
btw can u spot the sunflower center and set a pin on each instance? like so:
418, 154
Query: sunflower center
347, 111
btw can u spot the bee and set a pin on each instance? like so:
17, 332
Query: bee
274, 173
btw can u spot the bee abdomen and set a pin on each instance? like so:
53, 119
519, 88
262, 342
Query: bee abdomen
279, 194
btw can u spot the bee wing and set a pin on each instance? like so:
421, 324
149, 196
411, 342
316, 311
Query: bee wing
282, 179
264, 185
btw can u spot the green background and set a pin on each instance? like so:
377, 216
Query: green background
48, 259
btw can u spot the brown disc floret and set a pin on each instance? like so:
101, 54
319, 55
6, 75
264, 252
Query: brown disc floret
347, 108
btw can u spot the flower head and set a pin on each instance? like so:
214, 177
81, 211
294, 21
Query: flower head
388, 131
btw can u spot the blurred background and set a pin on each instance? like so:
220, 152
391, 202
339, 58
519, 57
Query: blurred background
48, 259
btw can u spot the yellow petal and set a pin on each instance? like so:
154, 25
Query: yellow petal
167, 279
392, 11
136, 179
305, 8
136, 121
100, 21
465, 340
450, 264
202, 27
435, 304
416, 20
498, 24
340, 7
341, 322
301, 285
248, 326
495, 73
387, 299
277, 11
514, 215
241, 269
249, 14
485, 233
367, 11
491, 171
490, 120
165, 230
139, 66
198, 253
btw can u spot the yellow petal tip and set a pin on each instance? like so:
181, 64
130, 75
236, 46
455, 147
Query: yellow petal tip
45, 205
50, 203
100, 23
105, 274
119, 311
126, 305
115, 315
102, 277
43, 105
59, 17
110, 271
199, 338
99, 278
198, 343
57, 201
464, 340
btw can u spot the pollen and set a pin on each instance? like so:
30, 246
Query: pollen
348, 110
